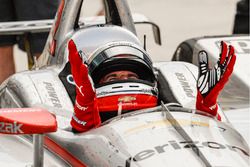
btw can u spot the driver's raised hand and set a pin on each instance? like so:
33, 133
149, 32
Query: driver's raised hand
80, 73
211, 81
86, 115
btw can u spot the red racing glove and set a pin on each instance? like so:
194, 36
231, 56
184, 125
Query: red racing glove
86, 114
212, 81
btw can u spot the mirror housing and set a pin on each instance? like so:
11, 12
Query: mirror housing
36, 121
26, 121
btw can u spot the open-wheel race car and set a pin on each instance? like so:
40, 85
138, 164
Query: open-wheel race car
37, 105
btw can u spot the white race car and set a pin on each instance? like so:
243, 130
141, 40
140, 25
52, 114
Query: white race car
37, 105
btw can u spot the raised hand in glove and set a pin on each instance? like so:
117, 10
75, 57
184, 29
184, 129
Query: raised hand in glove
212, 81
86, 114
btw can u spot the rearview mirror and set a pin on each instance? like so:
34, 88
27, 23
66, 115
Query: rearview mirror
36, 121
26, 121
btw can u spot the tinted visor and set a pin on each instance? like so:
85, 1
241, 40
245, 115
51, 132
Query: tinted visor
121, 58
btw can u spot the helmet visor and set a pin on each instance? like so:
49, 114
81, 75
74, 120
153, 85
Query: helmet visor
121, 58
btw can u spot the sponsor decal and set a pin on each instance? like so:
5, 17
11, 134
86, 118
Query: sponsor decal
52, 95
83, 123
120, 43
10, 127
185, 85
126, 99
80, 107
70, 79
174, 145
18, 110
213, 107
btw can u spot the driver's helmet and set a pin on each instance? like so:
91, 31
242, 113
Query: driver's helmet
129, 94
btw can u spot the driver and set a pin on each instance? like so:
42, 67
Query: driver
120, 78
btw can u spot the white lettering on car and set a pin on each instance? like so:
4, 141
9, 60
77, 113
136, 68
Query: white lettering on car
185, 85
174, 145
14, 127
52, 94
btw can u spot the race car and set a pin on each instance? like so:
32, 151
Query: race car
37, 106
